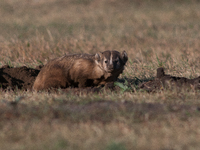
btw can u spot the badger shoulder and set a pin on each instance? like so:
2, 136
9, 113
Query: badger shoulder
84, 68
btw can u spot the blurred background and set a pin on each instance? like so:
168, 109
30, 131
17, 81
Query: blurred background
153, 32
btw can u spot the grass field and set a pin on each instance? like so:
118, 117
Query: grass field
154, 33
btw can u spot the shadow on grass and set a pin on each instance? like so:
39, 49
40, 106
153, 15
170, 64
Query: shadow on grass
103, 111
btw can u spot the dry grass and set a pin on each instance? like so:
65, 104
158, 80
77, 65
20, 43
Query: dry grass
119, 136
153, 33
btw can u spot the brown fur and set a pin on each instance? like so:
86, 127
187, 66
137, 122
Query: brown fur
80, 70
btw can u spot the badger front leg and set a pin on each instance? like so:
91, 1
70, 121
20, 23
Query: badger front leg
82, 83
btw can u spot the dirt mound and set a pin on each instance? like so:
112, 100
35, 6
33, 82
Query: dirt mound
19, 77
163, 80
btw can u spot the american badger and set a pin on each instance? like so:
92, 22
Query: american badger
81, 70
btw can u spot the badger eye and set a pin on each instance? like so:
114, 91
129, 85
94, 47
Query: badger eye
106, 61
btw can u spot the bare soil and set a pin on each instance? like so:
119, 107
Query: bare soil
19, 77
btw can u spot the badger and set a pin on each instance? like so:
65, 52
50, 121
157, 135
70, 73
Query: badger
81, 70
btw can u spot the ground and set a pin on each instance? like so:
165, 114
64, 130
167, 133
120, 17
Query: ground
20, 77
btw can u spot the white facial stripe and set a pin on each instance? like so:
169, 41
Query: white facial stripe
111, 59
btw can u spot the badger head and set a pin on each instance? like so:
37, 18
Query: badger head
111, 61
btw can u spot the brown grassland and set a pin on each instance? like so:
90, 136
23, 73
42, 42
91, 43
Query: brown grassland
154, 33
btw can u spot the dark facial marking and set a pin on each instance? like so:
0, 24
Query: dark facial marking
107, 54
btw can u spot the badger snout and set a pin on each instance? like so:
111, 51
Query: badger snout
111, 67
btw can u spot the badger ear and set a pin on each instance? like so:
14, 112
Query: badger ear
97, 56
124, 56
